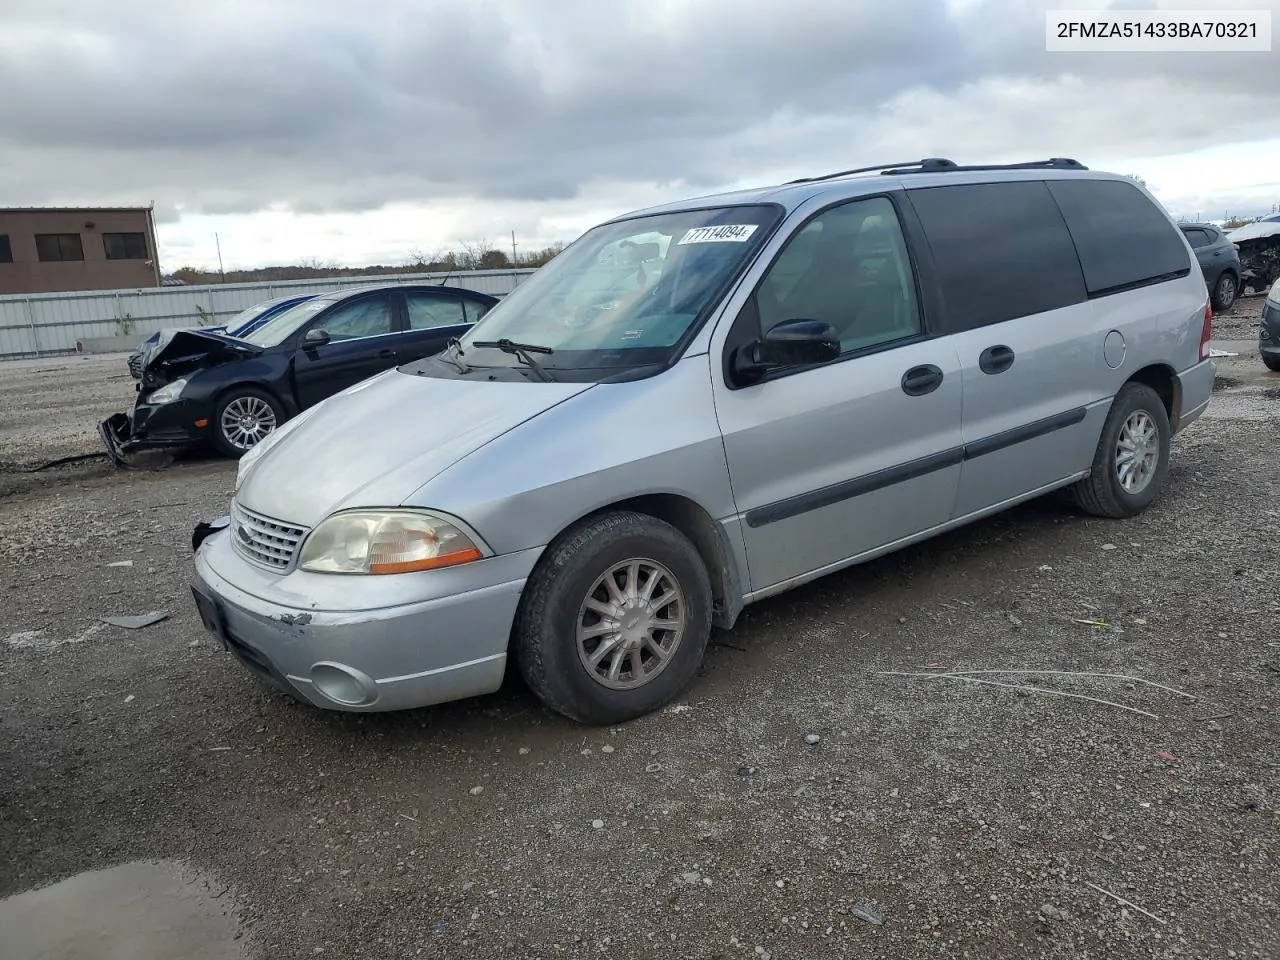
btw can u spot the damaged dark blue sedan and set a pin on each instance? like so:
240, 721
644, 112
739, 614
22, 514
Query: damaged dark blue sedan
199, 388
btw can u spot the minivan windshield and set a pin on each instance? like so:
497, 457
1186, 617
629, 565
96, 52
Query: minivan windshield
624, 293
279, 328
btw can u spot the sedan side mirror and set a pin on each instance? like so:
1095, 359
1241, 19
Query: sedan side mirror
316, 338
792, 343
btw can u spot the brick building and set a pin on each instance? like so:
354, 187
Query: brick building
53, 249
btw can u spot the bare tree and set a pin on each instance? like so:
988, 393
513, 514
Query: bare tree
472, 253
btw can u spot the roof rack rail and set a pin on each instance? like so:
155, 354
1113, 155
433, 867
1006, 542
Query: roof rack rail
943, 165
928, 164
940, 166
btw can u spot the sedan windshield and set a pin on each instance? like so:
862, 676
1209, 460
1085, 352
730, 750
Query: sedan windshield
279, 328
246, 317
625, 293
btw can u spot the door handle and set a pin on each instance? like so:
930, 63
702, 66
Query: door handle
918, 381
995, 359
386, 354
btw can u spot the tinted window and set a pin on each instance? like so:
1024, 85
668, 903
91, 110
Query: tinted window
125, 246
1001, 251
1124, 239
429, 310
59, 246
1196, 237
849, 267
6, 250
361, 317
476, 309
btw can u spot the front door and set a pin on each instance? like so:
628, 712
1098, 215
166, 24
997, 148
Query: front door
361, 342
834, 461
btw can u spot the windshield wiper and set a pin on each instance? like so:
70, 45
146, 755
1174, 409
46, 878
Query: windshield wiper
458, 363
524, 351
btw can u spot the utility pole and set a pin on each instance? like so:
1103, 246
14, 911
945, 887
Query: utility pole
218, 243
513, 248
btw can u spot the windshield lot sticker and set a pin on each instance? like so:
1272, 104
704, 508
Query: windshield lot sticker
725, 233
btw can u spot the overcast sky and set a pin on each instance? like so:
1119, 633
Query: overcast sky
357, 132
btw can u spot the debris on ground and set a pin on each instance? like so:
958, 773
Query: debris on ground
1018, 686
867, 914
136, 622
1122, 900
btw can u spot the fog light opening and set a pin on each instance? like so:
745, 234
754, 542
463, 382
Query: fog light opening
343, 685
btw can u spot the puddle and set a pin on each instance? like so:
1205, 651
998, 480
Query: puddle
146, 910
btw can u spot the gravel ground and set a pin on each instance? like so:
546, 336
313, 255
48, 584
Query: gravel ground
795, 803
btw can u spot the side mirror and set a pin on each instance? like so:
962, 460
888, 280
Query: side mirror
316, 338
792, 343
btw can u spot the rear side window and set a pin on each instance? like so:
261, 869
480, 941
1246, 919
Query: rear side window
1001, 250
1197, 237
1123, 238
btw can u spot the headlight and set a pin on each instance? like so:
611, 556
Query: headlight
1274, 293
168, 393
387, 541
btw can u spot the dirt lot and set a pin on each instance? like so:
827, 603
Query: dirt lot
972, 820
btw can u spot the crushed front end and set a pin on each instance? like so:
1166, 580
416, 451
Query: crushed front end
163, 418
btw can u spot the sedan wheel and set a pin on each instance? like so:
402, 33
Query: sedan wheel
244, 419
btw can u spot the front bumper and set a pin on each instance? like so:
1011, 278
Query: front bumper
169, 426
447, 642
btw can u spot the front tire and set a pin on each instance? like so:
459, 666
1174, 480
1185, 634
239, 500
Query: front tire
1132, 457
1225, 292
615, 619
1271, 363
245, 416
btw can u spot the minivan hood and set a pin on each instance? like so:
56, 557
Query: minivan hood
177, 352
375, 443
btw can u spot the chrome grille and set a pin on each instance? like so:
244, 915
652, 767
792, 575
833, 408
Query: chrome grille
270, 543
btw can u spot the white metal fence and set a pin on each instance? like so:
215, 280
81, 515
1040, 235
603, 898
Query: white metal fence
48, 324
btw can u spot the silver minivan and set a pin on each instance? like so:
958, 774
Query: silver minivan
700, 405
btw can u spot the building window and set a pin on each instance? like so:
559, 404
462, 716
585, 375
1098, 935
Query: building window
6, 249
59, 246
125, 246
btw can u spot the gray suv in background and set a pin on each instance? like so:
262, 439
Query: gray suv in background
700, 405
1219, 262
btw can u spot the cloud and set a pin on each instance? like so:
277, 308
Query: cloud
233, 107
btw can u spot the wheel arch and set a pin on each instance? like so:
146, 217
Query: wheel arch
1162, 378
707, 536
220, 396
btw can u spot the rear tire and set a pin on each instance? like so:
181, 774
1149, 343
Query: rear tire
1225, 292
647, 632
1132, 457
244, 417
1271, 363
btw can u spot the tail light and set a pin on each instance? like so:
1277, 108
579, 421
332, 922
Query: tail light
1206, 331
